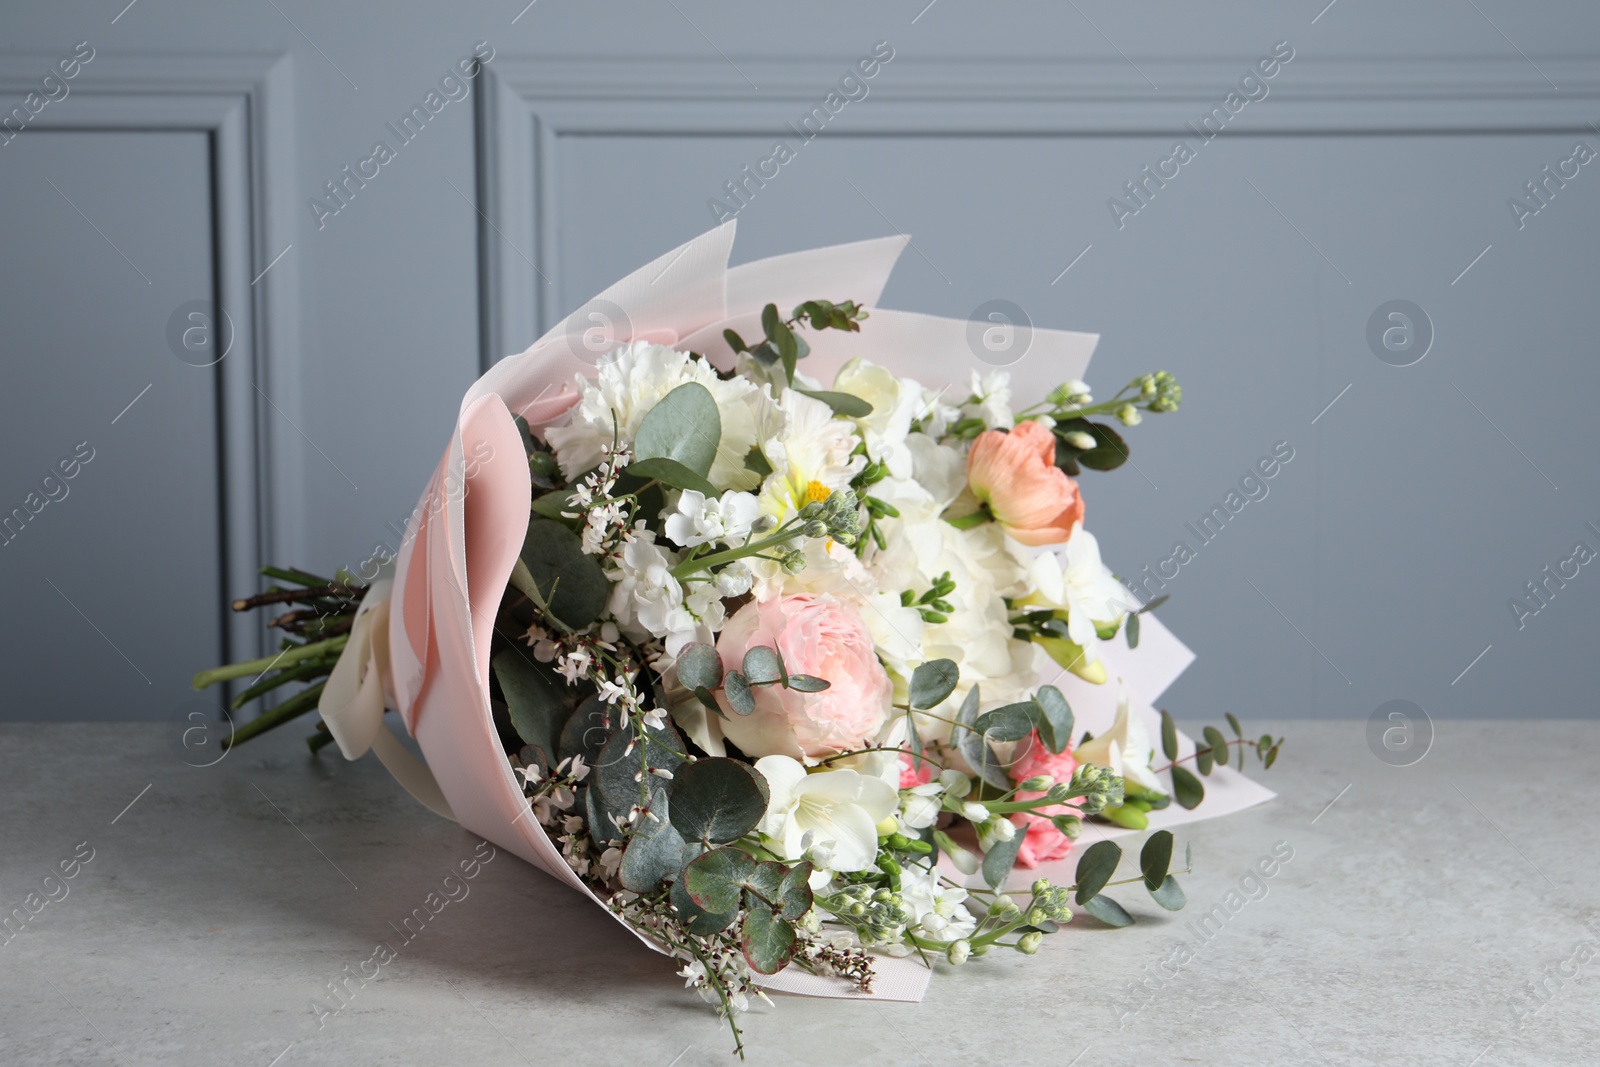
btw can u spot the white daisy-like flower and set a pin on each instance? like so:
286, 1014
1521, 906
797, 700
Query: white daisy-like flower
810, 451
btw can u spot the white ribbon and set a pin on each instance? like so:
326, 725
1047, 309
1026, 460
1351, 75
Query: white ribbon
354, 697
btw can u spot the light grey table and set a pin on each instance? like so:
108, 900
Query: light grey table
1421, 909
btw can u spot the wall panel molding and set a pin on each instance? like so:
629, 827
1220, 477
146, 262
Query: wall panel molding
530, 106
245, 105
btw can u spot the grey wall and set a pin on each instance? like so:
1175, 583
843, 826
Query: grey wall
182, 161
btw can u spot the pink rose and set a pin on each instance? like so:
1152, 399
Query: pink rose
1016, 477
819, 636
1044, 842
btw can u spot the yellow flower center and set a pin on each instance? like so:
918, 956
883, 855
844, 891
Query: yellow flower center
816, 492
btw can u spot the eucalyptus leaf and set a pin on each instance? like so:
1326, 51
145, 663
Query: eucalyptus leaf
762, 665
1107, 911
715, 880
806, 683
1233, 724
1055, 718
1169, 735
585, 731
554, 505
932, 682
1169, 895
569, 581
684, 427
655, 850
846, 404
669, 471
755, 460
717, 800
617, 771
1155, 859
1218, 742
1095, 868
699, 666
1186, 788
970, 743
536, 699
1205, 759
736, 687
696, 919
1001, 857
1130, 630
1011, 722
768, 941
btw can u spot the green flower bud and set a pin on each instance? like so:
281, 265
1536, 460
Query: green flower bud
1039, 783
1028, 943
959, 951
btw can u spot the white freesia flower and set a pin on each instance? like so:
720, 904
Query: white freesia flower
839, 809
1124, 749
631, 381
810, 452
1075, 581
698, 520
895, 402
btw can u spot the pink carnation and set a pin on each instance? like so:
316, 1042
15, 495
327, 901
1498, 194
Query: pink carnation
911, 778
820, 636
1043, 842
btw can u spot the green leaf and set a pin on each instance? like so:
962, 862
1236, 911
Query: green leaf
655, 851
1011, 722
1109, 451
1169, 895
1271, 758
1218, 742
586, 732
1095, 869
735, 342
1055, 718
536, 698
1154, 604
1186, 788
970, 743
615, 769
806, 683
1107, 911
715, 880
1001, 857
569, 581
684, 427
795, 891
717, 800
699, 666
1155, 859
762, 665
671, 472
847, 404
784, 890
696, 919
770, 320
756, 460
1169, 735
768, 941
1233, 724
709, 699
1204, 759
551, 505
736, 687
1131, 630
932, 682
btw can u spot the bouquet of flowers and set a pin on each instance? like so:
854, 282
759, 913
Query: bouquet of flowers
716, 615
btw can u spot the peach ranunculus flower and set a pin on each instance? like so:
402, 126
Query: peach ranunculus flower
817, 635
1044, 842
1015, 476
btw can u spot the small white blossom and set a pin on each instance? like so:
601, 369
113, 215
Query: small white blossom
699, 520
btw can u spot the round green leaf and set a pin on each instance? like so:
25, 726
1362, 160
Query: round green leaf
655, 850
1095, 869
1001, 857
768, 941
717, 800
616, 769
699, 666
1012, 722
684, 427
1169, 895
1187, 788
932, 682
1169, 735
696, 919
736, 687
1055, 718
762, 665
715, 880
806, 683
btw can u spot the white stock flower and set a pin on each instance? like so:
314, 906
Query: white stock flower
839, 810
940, 911
632, 380
1124, 750
699, 519
991, 399
647, 601
1075, 581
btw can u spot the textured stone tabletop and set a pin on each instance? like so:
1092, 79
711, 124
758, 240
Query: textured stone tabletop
1442, 913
